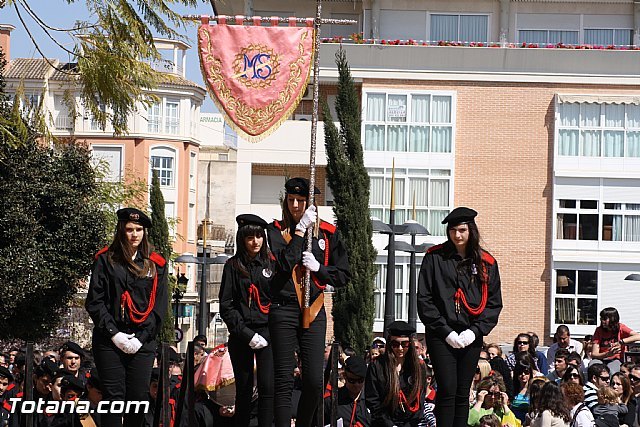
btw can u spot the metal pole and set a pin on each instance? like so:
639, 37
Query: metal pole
177, 301
413, 292
312, 154
204, 315
390, 289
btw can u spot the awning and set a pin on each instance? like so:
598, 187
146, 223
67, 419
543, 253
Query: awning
598, 99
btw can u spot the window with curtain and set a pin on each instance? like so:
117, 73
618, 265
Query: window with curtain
548, 36
408, 122
576, 297
608, 36
428, 188
598, 130
172, 116
153, 118
401, 296
465, 28
592, 220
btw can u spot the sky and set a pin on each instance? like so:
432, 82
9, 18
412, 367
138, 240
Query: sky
59, 14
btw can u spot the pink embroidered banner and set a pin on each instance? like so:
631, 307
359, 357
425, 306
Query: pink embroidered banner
256, 75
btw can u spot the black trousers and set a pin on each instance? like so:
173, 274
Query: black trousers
287, 335
124, 377
242, 360
454, 370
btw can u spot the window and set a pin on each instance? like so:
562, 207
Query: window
172, 116
598, 130
408, 122
429, 188
61, 112
108, 160
548, 36
163, 162
266, 190
465, 28
576, 297
607, 37
153, 118
193, 170
577, 219
621, 222
95, 124
401, 297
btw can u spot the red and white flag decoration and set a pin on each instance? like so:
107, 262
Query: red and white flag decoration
255, 74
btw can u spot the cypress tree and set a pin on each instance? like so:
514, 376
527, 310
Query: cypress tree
159, 237
353, 306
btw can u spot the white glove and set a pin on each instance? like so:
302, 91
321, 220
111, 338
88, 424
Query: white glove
258, 342
310, 262
121, 340
466, 337
135, 345
329, 288
309, 217
453, 340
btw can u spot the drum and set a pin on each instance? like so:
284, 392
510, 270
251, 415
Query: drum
215, 376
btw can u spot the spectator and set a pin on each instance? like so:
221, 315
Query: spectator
552, 409
627, 367
597, 376
541, 359
622, 387
573, 395
482, 371
535, 389
71, 356
634, 380
200, 340
494, 351
608, 410
491, 399
377, 348
560, 364
489, 421
573, 375
522, 376
524, 342
610, 339
499, 365
351, 408
563, 340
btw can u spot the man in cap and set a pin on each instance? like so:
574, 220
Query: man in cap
377, 347
351, 403
71, 356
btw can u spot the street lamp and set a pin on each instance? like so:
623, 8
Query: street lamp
634, 277
203, 317
178, 294
413, 228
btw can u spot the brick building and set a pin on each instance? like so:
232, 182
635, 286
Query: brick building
543, 142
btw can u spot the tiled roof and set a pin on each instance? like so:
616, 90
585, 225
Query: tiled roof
38, 69
29, 68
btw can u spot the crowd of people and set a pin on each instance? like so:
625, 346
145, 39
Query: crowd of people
271, 298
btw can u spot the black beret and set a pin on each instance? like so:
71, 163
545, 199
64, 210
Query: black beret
134, 215
94, 379
459, 215
299, 186
250, 219
355, 365
6, 373
47, 367
72, 347
400, 328
71, 382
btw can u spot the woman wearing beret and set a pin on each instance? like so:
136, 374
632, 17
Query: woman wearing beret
244, 307
127, 301
395, 383
329, 267
459, 301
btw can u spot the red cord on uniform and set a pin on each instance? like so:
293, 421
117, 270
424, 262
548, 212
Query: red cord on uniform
136, 315
403, 400
460, 296
255, 295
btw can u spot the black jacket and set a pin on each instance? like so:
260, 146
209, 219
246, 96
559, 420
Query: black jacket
239, 307
442, 273
361, 416
328, 250
376, 389
109, 281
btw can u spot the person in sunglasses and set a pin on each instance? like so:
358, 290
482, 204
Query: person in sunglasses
598, 376
459, 301
394, 387
491, 399
351, 403
573, 375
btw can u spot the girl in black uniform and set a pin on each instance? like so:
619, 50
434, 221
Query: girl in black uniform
244, 307
329, 268
395, 383
459, 301
127, 301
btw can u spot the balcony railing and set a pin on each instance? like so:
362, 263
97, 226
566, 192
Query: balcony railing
63, 122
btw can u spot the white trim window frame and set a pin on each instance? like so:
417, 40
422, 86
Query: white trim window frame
172, 116
575, 291
598, 130
164, 161
618, 36
462, 29
550, 36
408, 121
